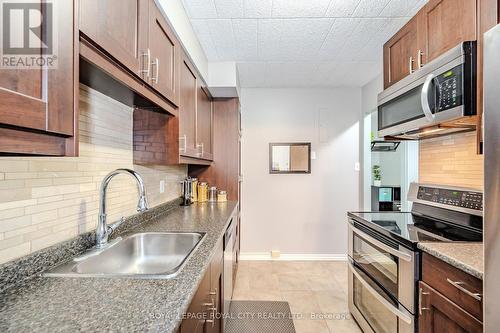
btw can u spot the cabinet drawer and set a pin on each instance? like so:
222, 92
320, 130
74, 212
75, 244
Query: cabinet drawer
458, 286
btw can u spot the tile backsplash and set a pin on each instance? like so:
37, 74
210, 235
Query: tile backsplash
452, 160
46, 200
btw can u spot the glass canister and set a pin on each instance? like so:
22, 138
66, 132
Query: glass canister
202, 192
194, 193
212, 194
222, 196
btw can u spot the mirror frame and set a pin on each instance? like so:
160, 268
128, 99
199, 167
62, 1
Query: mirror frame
273, 144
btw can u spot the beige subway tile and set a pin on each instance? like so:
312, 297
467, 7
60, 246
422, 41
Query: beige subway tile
40, 232
51, 239
9, 165
88, 187
16, 204
29, 183
47, 191
15, 223
20, 175
59, 165
11, 184
1, 236
11, 213
50, 199
44, 216
20, 231
71, 180
2, 176
48, 206
11, 242
14, 252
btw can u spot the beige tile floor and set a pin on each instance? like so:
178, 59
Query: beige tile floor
309, 287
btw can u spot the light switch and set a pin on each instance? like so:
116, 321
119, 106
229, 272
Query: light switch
313, 155
357, 166
162, 186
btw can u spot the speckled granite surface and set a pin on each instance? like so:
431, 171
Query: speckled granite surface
465, 256
48, 304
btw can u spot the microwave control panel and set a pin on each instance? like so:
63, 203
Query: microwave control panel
459, 198
449, 89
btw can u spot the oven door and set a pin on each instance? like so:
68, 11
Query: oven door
385, 266
373, 309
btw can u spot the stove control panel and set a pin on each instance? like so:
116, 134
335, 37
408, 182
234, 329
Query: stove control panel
459, 198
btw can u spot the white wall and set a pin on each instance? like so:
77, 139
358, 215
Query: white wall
300, 214
369, 93
175, 13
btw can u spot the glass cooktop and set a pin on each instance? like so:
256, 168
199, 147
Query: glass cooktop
412, 228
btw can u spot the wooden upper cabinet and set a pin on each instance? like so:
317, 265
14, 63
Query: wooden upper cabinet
119, 27
187, 112
164, 55
42, 99
400, 54
439, 314
204, 124
443, 24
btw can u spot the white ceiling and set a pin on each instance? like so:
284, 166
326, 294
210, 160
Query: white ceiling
295, 43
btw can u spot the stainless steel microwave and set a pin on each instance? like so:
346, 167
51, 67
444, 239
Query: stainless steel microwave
438, 99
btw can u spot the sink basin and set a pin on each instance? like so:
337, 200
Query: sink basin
143, 255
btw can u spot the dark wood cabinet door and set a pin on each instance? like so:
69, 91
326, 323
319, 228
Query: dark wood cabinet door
119, 27
187, 112
400, 54
164, 48
439, 314
197, 312
204, 124
443, 24
39, 98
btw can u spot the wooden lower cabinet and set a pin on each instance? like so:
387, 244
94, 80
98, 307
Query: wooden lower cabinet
439, 314
450, 299
204, 313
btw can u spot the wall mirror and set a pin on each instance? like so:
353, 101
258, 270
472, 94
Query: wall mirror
290, 157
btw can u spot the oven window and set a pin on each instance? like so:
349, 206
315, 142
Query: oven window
376, 314
380, 265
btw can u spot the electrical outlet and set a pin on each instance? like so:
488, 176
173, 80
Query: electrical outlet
162, 186
275, 254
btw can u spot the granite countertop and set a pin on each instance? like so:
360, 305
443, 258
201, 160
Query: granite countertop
465, 256
114, 304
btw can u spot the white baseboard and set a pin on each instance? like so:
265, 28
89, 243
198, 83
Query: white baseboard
264, 256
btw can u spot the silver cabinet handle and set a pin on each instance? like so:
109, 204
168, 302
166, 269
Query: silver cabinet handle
394, 252
424, 98
420, 294
184, 139
198, 146
420, 55
410, 64
156, 63
400, 314
146, 71
459, 286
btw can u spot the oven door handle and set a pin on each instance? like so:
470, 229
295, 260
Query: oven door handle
400, 314
394, 252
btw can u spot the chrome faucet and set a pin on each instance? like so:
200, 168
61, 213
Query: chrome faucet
103, 231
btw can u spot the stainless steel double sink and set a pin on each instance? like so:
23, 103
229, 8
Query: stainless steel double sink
143, 255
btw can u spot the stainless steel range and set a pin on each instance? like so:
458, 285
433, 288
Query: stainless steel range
384, 262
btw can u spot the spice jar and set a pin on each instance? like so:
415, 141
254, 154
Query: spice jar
212, 194
222, 196
202, 192
194, 192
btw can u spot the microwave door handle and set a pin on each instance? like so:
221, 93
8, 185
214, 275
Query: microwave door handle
394, 252
400, 314
424, 98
